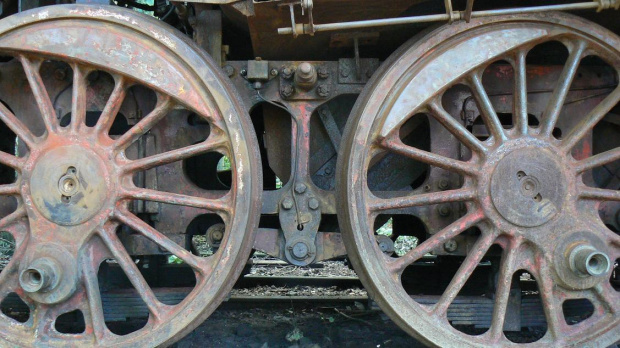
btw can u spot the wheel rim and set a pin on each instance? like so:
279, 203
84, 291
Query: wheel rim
495, 177
75, 183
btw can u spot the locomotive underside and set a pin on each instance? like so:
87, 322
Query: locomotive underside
463, 156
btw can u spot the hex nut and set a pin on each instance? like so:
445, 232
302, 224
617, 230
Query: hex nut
300, 188
287, 73
323, 72
313, 203
323, 90
287, 91
287, 203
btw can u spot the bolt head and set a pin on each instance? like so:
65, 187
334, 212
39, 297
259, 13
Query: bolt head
274, 72
450, 246
344, 72
287, 203
443, 184
229, 70
323, 72
444, 210
287, 73
305, 68
243, 72
287, 91
300, 188
300, 251
313, 203
60, 74
323, 90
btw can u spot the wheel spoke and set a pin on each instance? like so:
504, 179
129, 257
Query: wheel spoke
486, 109
212, 143
593, 117
78, 99
607, 297
398, 266
11, 268
554, 107
456, 128
468, 266
9, 190
214, 205
127, 218
121, 256
10, 160
460, 195
599, 194
14, 124
164, 105
113, 105
504, 282
598, 160
551, 305
91, 284
397, 146
31, 68
520, 97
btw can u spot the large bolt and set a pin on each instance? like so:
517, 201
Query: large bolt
313, 203
287, 203
300, 188
305, 76
42, 275
300, 251
585, 261
450, 246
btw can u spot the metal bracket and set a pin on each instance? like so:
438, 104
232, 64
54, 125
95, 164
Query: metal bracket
306, 5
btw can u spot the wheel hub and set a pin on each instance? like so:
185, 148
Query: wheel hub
527, 187
68, 185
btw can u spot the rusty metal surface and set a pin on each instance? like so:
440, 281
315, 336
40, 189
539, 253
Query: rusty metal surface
522, 186
76, 183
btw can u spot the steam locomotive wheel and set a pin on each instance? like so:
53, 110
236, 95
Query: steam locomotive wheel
524, 188
75, 182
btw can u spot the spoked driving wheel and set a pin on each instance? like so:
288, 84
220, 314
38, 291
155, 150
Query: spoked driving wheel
79, 179
513, 182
